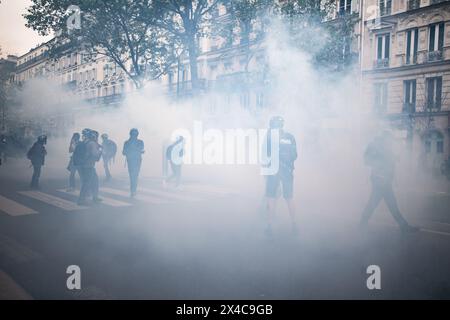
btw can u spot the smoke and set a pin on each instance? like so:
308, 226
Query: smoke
327, 115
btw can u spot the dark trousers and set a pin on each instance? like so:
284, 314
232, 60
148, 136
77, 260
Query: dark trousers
73, 171
134, 166
382, 190
35, 178
106, 163
89, 183
176, 173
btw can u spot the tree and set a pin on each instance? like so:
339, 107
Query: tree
123, 30
187, 21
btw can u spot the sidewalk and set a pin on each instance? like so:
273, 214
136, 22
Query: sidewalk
10, 290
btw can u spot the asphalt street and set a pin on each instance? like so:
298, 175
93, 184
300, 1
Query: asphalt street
206, 241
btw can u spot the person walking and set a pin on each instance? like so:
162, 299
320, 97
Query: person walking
380, 158
133, 149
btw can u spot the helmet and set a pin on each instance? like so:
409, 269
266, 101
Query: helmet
94, 134
42, 138
86, 132
134, 132
104, 136
276, 122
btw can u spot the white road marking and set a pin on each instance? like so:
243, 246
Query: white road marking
170, 195
140, 197
105, 200
52, 200
13, 208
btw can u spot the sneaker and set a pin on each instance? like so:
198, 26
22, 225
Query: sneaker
97, 200
409, 229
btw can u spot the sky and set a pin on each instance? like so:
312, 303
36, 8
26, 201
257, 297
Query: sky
15, 38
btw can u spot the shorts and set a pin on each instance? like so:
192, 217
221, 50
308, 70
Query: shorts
286, 179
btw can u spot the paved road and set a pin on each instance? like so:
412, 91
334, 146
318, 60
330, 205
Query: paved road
206, 242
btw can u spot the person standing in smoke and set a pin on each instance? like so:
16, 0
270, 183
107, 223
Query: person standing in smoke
71, 167
133, 149
109, 149
86, 154
284, 174
379, 156
174, 155
37, 155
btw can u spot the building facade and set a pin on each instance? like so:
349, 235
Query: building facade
405, 66
96, 79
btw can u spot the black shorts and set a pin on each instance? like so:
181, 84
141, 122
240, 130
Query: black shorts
286, 179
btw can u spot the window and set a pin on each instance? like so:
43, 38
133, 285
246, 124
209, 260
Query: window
412, 40
435, 41
381, 95
345, 6
413, 4
383, 50
434, 93
385, 7
409, 101
434, 142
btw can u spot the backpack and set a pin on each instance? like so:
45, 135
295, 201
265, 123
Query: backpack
31, 152
80, 155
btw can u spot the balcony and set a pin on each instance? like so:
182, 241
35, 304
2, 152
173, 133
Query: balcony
437, 1
381, 63
413, 4
410, 60
434, 56
409, 107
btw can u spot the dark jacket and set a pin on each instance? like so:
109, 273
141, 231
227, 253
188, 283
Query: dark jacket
37, 154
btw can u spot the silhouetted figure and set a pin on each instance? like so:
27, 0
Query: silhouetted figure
3, 145
109, 149
174, 155
73, 169
36, 155
284, 176
86, 154
380, 157
133, 149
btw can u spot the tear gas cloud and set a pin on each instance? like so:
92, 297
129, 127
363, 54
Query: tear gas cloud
328, 117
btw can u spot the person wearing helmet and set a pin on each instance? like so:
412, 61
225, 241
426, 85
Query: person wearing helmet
109, 149
71, 167
36, 155
284, 175
174, 155
380, 158
133, 149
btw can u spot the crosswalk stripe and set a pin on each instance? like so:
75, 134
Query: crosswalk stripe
169, 194
52, 200
13, 208
140, 197
105, 200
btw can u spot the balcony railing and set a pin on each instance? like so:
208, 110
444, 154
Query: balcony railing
409, 107
437, 1
435, 56
382, 63
411, 60
413, 4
